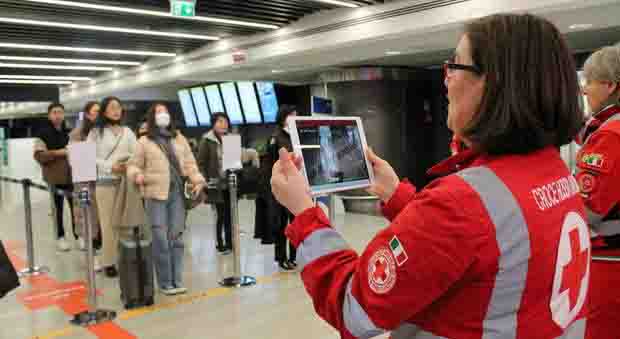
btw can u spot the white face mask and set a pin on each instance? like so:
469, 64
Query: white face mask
162, 120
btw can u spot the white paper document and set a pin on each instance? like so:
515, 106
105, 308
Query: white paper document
83, 161
231, 149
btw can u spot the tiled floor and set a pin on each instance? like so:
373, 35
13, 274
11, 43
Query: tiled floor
277, 307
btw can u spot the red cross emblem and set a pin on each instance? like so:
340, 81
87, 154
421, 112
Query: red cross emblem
382, 271
575, 270
572, 271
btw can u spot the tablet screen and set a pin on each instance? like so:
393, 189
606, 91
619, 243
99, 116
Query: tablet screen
333, 154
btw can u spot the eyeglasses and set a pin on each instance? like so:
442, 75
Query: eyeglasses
449, 66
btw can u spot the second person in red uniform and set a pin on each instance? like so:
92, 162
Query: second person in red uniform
598, 174
496, 248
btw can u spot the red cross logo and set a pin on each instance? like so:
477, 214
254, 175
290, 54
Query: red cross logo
379, 274
382, 271
576, 269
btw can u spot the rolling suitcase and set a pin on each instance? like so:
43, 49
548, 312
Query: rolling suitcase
136, 271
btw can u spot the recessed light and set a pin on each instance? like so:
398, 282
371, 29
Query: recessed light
154, 13
106, 29
116, 74
44, 77
83, 49
70, 61
393, 52
179, 58
580, 26
339, 3
41, 66
277, 71
35, 82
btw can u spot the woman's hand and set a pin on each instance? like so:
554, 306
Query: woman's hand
119, 168
139, 179
197, 188
386, 181
288, 185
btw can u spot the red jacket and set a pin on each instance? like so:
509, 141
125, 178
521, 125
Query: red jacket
598, 164
495, 250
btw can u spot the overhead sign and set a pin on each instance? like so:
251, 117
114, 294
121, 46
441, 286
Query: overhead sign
183, 8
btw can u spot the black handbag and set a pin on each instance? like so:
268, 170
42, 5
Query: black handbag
9, 280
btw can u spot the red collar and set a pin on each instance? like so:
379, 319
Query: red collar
454, 163
607, 113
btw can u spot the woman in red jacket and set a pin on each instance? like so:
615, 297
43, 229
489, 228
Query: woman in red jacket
598, 165
492, 249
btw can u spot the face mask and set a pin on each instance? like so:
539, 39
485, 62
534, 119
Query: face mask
162, 120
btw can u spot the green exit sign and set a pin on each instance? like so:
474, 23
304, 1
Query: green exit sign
183, 8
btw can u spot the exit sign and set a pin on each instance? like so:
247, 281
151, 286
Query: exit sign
183, 8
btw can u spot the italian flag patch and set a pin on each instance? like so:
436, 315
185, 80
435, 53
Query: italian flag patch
398, 251
594, 160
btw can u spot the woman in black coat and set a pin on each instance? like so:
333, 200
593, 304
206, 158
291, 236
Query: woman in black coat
277, 215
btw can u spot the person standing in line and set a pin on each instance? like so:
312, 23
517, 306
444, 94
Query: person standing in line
491, 249
210, 163
115, 146
162, 163
598, 175
50, 151
79, 134
279, 217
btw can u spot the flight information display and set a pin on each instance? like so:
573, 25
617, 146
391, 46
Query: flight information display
188, 108
249, 102
215, 100
231, 102
268, 100
200, 104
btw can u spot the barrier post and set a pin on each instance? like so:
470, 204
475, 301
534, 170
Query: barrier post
237, 280
92, 316
31, 269
332, 209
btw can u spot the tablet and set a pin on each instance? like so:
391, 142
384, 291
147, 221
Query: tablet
333, 154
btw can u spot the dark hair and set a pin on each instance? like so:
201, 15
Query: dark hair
219, 115
530, 98
283, 113
87, 125
54, 105
102, 120
151, 129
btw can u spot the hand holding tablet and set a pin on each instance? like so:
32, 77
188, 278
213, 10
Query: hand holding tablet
288, 184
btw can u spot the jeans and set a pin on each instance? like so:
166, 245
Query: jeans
224, 222
59, 203
168, 257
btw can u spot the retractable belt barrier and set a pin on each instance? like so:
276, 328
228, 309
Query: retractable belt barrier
26, 183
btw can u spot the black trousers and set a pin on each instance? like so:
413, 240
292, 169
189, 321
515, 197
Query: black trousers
59, 202
224, 222
280, 238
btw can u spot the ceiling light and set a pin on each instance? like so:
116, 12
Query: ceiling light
393, 53
116, 74
179, 58
580, 26
277, 71
339, 3
44, 77
39, 66
83, 49
71, 61
106, 29
153, 13
35, 82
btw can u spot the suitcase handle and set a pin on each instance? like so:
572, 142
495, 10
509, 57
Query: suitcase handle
141, 263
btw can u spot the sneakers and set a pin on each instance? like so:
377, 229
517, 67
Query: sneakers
63, 245
111, 272
180, 290
81, 244
168, 290
98, 267
285, 266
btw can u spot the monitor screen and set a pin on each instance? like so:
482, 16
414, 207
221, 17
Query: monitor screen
322, 105
215, 100
188, 108
200, 103
268, 100
249, 102
231, 102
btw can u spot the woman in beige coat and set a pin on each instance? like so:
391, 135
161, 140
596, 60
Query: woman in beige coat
162, 163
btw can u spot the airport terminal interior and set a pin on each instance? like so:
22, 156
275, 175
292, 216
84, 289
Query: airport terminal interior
379, 60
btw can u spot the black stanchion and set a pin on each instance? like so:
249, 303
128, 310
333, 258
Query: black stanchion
31, 269
92, 316
237, 280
